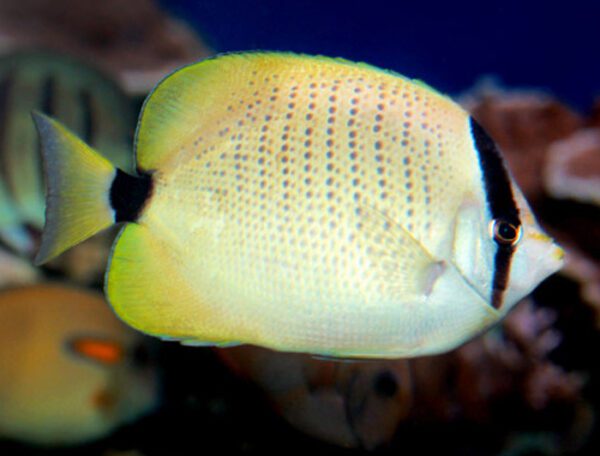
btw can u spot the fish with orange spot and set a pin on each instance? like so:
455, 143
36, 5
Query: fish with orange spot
68, 368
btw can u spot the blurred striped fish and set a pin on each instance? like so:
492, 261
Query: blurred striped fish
351, 404
82, 97
11, 231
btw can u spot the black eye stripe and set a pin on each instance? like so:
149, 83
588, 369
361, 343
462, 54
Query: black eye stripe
498, 190
501, 202
502, 261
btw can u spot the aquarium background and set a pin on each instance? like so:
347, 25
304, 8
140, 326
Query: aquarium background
451, 45
547, 48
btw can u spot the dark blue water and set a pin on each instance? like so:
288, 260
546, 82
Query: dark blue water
552, 45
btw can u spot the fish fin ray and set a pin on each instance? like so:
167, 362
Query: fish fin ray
78, 182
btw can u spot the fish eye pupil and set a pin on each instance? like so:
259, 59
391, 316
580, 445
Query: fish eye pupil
505, 232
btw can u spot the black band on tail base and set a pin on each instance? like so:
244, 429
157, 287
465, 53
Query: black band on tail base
128, 195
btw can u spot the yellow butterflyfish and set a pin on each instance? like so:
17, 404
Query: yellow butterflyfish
302, 204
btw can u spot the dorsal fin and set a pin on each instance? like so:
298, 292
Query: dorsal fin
183, 106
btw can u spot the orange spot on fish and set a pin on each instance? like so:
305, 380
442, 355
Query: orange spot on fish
99, 350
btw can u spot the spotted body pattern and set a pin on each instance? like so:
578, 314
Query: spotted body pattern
338, 145
314, 190
302, 204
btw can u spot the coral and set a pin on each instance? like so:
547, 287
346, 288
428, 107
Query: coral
523, 124
573, 167
132, 39
586, 271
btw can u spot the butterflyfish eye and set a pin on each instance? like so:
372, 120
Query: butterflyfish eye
506, 233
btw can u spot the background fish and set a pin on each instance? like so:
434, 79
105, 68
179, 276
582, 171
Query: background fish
493, 398
132, 40
351, 404
12, 231
302, 204
68, 367
497, 379
73, 91
15, 270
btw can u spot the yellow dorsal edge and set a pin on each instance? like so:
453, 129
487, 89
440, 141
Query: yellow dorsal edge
173, 111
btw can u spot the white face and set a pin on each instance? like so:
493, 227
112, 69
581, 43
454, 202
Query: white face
498, 246
534, 256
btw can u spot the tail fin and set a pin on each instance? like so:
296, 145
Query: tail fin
78, 182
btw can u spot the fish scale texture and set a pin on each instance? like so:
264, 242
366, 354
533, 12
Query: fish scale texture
305, 203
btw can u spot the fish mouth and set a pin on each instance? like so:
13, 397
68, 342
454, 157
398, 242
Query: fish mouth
558, 253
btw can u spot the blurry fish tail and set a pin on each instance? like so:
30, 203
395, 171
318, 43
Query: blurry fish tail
78, 184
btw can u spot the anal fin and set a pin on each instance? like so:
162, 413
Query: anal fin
147, 287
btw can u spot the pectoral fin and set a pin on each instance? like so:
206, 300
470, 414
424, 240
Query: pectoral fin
401, 262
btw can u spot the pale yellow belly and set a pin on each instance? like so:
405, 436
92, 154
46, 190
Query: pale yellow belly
293, 280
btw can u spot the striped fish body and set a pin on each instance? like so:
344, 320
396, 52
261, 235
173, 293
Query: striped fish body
351, 404
312, 204
80, 96
11, 231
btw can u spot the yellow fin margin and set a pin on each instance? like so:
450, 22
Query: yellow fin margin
147, 291
185, 102
78, 182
